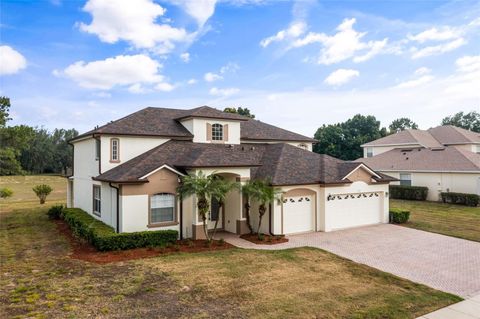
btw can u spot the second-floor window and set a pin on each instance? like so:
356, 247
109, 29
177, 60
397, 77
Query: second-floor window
97, 149
478, 149
369, 151
217, 132
114, 150
405, 179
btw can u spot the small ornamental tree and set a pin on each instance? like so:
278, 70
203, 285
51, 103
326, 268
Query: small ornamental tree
42, 191
6, 192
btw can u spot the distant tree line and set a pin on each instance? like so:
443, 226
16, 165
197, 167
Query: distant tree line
343, 140
32, 150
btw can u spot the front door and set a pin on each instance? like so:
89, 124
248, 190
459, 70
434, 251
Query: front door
215, 214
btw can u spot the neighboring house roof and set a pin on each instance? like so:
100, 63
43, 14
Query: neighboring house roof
281, 163
436, 137
166, 123
448, 159
449, 135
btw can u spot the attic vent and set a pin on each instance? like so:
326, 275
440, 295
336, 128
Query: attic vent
252, 148
406, 150
243, 148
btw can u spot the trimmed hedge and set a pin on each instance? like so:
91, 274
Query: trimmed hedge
55, 212
399, 216
461, 199
104, 237
408, 192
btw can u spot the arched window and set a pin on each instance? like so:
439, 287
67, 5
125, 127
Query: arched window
162, 208
217, 132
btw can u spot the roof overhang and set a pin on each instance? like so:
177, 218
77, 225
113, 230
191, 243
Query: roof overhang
413, 144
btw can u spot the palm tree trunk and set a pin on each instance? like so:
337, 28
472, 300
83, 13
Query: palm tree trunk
203, 209
247, 210
216, 222
261, 212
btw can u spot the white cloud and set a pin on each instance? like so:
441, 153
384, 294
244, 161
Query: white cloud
185, 57
165, 87
438, 49
200, 10
192, 81
134, 22
341, 76
416, 82
223, 92
434, 34
11, 61
295, 30
132, 70
468, 63
212, 77
422, 71
343, 45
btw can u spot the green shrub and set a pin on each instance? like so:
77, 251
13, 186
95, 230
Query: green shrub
399, 216
461, 199
42, 191
408, 192
55, 212
5, 192
261, 237
104, 237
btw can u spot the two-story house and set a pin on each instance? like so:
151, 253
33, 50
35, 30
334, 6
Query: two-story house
126, 174
443, 158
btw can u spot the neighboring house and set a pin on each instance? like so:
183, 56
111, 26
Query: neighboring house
126, 174
444, 159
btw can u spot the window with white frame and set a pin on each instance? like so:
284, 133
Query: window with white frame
162, 208
217, 132
478, 149
406, 179
369, 151
97, 149
97, 200
114, 150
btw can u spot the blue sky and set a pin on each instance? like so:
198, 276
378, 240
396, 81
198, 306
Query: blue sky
296, 64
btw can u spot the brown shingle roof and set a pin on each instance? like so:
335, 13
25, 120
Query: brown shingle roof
449, 159
282, 164
165, 122
449, 135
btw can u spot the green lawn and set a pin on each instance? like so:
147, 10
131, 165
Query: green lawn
23, 196
39, 280
452, 220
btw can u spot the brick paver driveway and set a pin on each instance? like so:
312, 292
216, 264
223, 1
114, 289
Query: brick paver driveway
442, 262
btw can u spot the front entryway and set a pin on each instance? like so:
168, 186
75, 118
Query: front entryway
215, 214
298, 214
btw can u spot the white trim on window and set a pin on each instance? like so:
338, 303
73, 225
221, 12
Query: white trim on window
114, 150
405, 179
97, 200
162, 208
217, 132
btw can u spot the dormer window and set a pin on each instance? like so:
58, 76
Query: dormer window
114, 150
217, 132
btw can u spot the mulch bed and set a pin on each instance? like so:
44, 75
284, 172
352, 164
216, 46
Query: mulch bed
82, 250
267, 239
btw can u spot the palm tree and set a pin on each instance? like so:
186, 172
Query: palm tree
204, 187
262, 192
247, 190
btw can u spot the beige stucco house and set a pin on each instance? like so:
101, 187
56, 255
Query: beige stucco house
126, 174
444, 159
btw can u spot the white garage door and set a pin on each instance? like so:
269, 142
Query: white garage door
353, 211
298, 214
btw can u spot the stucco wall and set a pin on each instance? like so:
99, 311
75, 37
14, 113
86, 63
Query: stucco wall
198, 127
382, 149
443, 182
129, 146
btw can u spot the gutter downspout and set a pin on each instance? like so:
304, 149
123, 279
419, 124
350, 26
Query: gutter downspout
118, 206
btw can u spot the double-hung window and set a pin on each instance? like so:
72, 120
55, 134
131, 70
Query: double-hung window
162, 208
97, 200
405, 179
217, 132
369, 151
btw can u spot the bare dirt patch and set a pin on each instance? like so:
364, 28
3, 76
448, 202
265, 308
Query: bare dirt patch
84, 251
267, 239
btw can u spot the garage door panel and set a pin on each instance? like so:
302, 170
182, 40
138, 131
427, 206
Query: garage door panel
298, 214
353, 211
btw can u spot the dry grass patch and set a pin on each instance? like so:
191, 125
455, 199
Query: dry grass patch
447, 219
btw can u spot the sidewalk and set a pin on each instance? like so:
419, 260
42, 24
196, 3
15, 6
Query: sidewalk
467, 309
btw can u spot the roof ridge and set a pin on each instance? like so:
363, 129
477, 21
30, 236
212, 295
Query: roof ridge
461, 151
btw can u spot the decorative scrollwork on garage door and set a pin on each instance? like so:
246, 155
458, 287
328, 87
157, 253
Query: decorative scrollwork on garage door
352, 196
291, 200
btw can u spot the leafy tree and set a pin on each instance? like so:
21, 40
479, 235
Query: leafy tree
9, 163
343, 140
5, 193
239, 110
469, 121
4, 110
203, 187
402, 124
42, 191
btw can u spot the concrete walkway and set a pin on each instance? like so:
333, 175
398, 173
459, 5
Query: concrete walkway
442, 262
468, 309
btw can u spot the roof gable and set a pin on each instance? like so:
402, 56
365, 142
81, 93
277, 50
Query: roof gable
210, 112
449, 134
